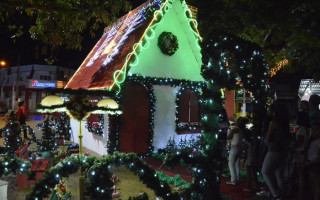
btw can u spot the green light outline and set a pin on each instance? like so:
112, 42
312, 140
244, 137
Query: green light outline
151, 28
147, 38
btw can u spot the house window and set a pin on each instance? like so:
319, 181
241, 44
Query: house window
41, 77
188, 112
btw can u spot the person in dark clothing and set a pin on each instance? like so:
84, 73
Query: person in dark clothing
21, 114
277, 141
314, 111
263, 149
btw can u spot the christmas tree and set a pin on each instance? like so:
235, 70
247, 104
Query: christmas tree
62, 127
48, 140
13, 140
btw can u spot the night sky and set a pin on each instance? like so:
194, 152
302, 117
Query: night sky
30, 50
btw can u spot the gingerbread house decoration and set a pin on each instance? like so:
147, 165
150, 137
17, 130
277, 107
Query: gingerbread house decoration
151, 58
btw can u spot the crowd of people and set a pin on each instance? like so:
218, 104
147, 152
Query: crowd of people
288, 160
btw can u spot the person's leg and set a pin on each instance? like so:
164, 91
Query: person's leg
268, 171
279, 172
231, 163
248, 167
301, 182
254, 175
237, 168
317, 187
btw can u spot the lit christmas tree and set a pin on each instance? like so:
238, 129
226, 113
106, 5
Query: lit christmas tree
48, 140
13, 140
62, 127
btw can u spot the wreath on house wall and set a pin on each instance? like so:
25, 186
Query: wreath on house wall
168, 43
96, 128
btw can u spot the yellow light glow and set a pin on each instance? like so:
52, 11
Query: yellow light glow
109, 47
51, 100
278, 66
3, 63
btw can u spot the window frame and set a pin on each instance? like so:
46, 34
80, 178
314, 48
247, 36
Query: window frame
190, 126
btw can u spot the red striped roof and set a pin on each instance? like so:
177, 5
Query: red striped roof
109, 54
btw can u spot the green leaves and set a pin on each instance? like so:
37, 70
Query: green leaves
62, 22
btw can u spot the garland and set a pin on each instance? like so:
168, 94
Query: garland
9, 165
98, 181
80, 92
249, 70
96, 128
176, 180
206, 178
168, 43
148, 85
113, 134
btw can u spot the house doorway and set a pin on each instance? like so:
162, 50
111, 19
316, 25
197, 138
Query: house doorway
134, 124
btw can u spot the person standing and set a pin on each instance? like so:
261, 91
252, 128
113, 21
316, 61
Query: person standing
236, 137
312, 166
21, 114
301, 141
278, 139
314, 111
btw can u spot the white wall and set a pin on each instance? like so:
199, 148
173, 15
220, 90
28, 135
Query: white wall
90, 140
164, 124
164, 117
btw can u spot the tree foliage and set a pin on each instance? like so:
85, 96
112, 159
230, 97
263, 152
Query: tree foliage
62, 22
283, 29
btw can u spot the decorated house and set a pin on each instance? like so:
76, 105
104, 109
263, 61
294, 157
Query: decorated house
151, 57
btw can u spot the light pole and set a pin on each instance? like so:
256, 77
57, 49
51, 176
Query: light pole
3, 64
54, 103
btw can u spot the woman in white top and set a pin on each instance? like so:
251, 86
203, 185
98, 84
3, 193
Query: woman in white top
236, 136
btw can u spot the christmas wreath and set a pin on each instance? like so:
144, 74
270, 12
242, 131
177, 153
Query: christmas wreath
79, 107
96, 128
168, 43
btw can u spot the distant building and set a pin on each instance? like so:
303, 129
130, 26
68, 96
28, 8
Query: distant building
308, 87
30, 81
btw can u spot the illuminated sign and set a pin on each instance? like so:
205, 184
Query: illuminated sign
36, 83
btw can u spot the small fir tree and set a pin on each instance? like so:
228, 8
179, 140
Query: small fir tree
183, 143
13, 140
62, 127
171, 146
48, 140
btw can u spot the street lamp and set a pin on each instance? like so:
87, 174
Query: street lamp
3, 63
54, 103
